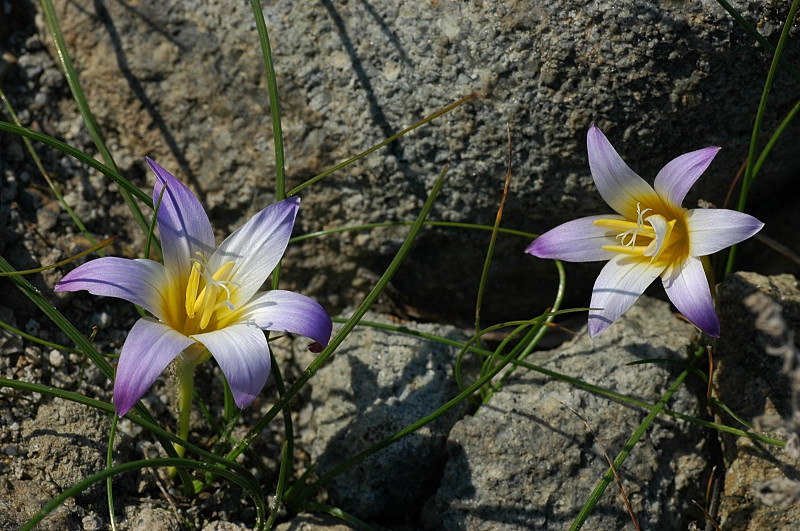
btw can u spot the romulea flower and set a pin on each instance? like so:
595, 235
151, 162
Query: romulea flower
651, 235
204, 299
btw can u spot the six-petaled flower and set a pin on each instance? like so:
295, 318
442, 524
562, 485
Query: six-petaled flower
650, 235
204, 299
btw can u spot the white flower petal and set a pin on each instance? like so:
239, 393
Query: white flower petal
622, 280
142, 282
286, 311
713, 229
256, 248
579, 240
243, 355
687, 287
147, 351
677, 177
619, 185
182, 224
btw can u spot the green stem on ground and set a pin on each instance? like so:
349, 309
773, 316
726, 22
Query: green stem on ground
184, 372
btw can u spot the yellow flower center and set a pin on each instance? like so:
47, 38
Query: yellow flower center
662, 236
207, 296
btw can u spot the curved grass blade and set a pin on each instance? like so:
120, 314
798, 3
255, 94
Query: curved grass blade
747, 180
109, 172
53, 188
83, 105
247, 482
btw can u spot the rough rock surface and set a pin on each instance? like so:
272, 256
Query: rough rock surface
526, 461
183, 83
378, 383
751, 383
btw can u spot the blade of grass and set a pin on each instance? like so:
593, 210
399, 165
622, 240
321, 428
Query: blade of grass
46, 176
274, 105
747, 180
382, 224
392, 138
340, 337
795, 73
96, 247
83, 106
247, 482
111, 173
109, 479
594, 497
492, 239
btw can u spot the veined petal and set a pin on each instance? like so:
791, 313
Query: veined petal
713, 229
619, 185
677, 177
139, 281
147, 351
579, 240
622, 280
243, 355
687, 287
182, 224
256, 247
286, 311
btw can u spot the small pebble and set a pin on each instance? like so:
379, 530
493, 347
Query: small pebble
56, 358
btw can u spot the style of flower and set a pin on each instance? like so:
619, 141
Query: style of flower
652, 235
204, 299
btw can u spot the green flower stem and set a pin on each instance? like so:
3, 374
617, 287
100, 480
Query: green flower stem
590, 504
347, 328
184, 372
109, 465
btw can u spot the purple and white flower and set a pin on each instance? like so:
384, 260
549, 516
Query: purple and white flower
651, 235
204, 299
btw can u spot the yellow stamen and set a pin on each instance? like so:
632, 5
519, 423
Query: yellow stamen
637, 250
191, 290
615, 224
206, 302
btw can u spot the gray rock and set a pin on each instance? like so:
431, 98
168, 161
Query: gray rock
526, 461
376, 384
310, 522
751, 383
146, 518
67, 442
184, 83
